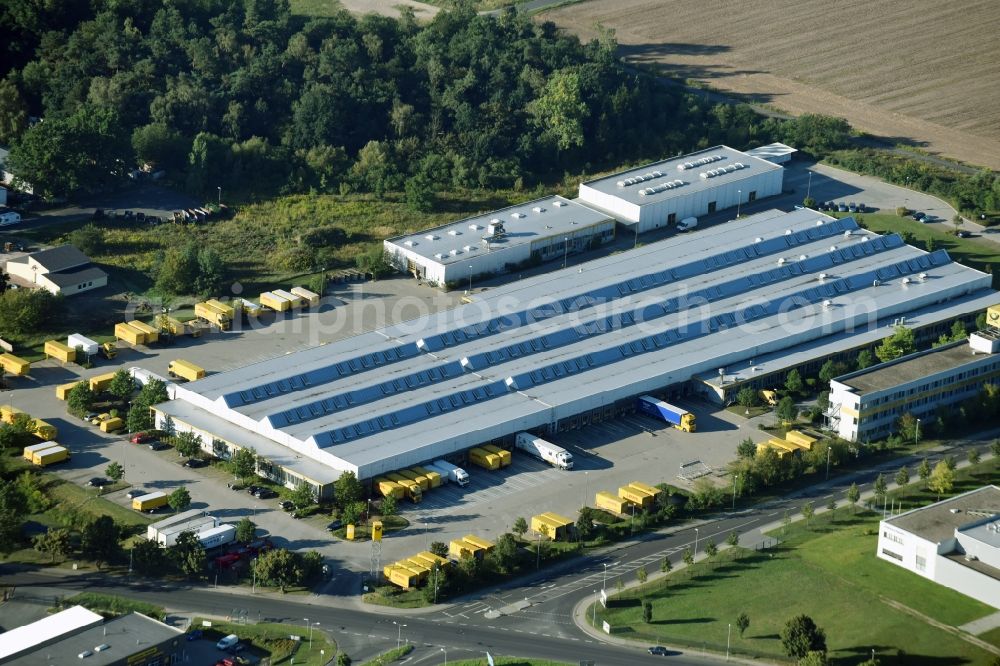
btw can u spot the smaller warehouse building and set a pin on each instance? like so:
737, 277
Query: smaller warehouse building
778, 153
534, 232
663, 193
955, 543
59, 270
78, 635
866, 405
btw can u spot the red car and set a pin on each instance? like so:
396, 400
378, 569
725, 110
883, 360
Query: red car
141, 438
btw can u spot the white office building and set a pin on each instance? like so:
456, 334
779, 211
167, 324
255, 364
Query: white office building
666, 192
955, 543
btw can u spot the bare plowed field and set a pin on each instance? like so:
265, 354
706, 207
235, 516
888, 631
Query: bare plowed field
925, 72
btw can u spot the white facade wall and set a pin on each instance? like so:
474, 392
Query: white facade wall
726, 191
903, 549
968, 581
70, 289
844, 400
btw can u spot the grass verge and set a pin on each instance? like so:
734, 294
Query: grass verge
972, 252
509, 661
389, 657
279, 643
394, 597
110, 605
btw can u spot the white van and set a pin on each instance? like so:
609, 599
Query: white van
687, 223
228, 642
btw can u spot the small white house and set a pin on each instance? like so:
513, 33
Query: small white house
60, 270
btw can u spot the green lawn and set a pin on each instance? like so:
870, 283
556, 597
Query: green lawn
829, 572
392, 656
992, 637
315, 7
111, 605
972, 252
275, 641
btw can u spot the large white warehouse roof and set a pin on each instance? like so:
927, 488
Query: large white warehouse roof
523, 224
542, 349
681, 176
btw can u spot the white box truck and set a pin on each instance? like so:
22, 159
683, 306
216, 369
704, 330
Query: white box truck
687, 223
554, 455
217, 536
153, 530
450, 472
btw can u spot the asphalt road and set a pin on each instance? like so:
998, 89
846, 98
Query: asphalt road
535, 616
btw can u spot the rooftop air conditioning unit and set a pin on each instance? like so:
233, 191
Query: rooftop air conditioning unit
681, 167
905, 281
431, 237
454, 232
517, 216
559, 204
847, 234
703, 175
822, 276
833, 248
781, 260
803, 257
827, 304
538, 209
922, 276
819, 223
474, 227
758, 239
788, 232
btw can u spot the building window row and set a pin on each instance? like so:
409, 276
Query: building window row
891, 536
889, 553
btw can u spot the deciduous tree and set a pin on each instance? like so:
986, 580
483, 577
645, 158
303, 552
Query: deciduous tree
53, 542
179, 500
115, 471
942, 479
800, 636
99, 540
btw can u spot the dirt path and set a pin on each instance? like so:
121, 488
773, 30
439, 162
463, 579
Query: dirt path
422, 10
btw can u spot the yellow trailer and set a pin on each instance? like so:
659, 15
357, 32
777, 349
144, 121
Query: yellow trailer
481, 543
800, 439
782, 445
29, 451
425, 556
459, 548
113, 424
551, 525
214, 315
294, 302
14, 365
49, 456
781, 451
62, 391
8, 412
401, 575
311, 298
484, 459
248, 308
419, 479
433, 477
637, 497
46, 431
150, 501
504, 454
271, 300
225, 309
646, 488
388, 488
100, 382
129, 334
608, 502
410, 488
57, 350
185, 370
149, 333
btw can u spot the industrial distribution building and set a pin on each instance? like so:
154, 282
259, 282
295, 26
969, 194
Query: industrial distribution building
574, 346
866, 405
666, 192
78, 635
955, 543
501, 241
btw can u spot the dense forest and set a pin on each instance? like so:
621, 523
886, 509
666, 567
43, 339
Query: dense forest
246, 96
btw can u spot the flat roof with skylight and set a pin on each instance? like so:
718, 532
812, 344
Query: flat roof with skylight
546, 348
548, 217
680, 176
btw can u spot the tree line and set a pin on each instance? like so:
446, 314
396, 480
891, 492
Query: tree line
245, 95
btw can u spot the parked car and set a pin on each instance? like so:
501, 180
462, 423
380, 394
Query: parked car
140, 216
195, 634
286, 505
265, 493
141, 438
841, 207
228, 642
829, 205
862, 208
335, 525
254, 489
137, 492
659, 650
98, 482
128, 213
918, 216
195, 463
964, 234
89, 416
156, 445
852, 207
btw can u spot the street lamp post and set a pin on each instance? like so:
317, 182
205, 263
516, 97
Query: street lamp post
828, 452
399, 632
809, 186
735, 481
538, 552
593, 621
729, 635
445, 650
470, 278
916, 433
636, 244
311, 633
565, 250
604, 585
739, 200
220, 195
696, 542
309, 626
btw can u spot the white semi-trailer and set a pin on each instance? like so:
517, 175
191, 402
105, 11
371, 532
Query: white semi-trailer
551, 453
450, 472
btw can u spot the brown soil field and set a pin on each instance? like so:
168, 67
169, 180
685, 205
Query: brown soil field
921, 72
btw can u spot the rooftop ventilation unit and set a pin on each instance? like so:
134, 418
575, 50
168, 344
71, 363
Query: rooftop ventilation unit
833, 248
454, 232
511, 384
409, 243
905, 281
474, 227
431, 237
740, 165
102, 647
469, 248
819, 223
559, 204
847, 234
788, 232
538, 209
781, 260
822, 276
922, 276
517, 216
84, 654
827, 304
421, 345
453, 252
703, 175
758, 239
803, 257
620, 183
439, 256
466, 364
